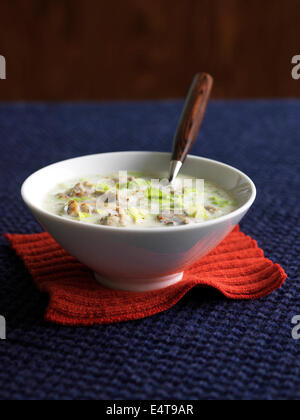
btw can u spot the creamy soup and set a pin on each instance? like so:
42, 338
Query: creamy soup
136, 200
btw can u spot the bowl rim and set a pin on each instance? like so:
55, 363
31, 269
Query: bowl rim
163, 229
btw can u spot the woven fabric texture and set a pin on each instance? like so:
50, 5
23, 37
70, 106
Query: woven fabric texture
237, 268
204, 347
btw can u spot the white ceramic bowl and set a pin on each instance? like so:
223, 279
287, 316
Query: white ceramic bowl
137, 259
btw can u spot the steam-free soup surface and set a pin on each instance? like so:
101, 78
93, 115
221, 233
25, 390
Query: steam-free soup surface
139, 201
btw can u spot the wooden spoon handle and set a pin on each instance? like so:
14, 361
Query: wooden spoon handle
192, 116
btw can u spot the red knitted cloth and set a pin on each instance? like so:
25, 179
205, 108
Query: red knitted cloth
237, 268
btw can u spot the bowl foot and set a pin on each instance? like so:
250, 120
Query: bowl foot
136, 285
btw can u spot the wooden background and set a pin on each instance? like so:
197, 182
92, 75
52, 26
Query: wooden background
143, 49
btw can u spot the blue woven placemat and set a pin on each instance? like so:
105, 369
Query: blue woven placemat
205, 347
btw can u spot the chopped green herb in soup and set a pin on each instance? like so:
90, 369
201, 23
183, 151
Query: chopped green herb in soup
135, 200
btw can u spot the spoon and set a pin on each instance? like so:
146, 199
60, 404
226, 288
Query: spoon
190, 121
